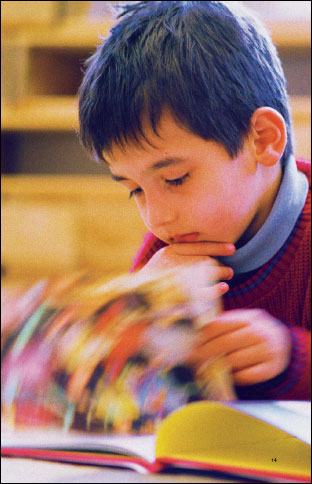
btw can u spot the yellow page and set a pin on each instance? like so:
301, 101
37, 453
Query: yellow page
211, 432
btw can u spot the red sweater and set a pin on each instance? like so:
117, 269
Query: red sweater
282, 286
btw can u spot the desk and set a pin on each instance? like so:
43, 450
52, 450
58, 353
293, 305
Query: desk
15, 470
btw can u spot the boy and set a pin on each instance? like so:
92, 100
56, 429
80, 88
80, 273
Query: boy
186, 102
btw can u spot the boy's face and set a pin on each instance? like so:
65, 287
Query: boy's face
186, 185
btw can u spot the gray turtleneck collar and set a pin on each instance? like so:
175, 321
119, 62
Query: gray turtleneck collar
274, 232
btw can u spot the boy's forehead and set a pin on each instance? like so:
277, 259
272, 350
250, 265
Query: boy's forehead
147, 161
130, 149
170, 141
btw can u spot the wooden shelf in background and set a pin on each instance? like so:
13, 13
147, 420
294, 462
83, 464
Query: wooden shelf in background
301, 107
60, 113
66, 187
53, 224
41, 113
69, 33
290, 34
79, 32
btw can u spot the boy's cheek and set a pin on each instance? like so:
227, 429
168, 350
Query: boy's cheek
221, 225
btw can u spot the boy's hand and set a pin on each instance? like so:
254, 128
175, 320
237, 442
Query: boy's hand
255, 344
176, 255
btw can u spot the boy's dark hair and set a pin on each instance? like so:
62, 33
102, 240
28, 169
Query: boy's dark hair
211, 63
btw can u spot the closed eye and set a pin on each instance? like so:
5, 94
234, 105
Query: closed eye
178, 181
174, 182
135, 192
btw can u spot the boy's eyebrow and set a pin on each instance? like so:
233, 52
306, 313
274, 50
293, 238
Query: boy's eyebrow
157, 165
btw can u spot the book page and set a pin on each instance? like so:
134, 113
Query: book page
292, 417
142, 446
222, 435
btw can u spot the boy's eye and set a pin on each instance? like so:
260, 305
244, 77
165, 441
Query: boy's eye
178, 181
174, 182
135, 192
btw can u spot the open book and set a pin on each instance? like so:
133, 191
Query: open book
269, 441
100, 373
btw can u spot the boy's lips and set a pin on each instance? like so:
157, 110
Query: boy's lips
191, 237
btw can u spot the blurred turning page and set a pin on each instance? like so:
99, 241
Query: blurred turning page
111, 357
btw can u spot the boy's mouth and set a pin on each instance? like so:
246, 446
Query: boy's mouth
178, 239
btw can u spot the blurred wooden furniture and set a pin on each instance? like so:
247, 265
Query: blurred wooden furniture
54, 224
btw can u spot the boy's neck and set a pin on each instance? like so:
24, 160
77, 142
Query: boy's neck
265, 206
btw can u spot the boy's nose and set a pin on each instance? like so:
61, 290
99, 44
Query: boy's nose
159, 213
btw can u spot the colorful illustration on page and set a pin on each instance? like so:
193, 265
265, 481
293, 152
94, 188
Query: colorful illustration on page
110, 357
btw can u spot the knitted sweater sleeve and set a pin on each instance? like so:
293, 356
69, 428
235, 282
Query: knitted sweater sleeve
151, 244
295, 382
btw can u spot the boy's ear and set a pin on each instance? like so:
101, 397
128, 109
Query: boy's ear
268, 135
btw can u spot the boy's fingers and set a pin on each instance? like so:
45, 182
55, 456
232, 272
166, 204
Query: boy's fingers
219, 328
204, 248
235, 315
227, 343
257, 373
246, 358
219, 273
212, 292
229, 321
